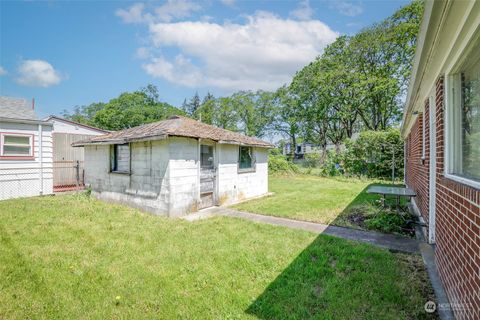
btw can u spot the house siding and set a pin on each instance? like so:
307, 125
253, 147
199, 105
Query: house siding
21, 178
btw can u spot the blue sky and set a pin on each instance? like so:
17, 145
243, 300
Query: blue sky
74, 53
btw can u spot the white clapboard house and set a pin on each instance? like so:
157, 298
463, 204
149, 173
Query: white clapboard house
25, 151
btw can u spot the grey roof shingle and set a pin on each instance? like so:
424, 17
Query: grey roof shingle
16, 108
175, 126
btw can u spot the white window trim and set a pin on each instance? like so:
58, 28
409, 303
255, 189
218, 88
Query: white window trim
449, 134
423, 133
30, 136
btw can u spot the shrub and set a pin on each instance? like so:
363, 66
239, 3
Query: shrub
389, 222
279, 164
372, 154
312, 160
332, 164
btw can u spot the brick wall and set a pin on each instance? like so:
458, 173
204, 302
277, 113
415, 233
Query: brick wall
457, 214
457, 230
418, 168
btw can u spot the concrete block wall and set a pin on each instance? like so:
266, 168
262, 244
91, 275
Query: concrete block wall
183, 176
146, 187
234, 186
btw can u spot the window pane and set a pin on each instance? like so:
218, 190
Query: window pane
470, 122
16, 140
245, 161
206, 156
121, 158
16, 151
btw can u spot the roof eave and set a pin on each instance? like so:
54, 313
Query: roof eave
26, 121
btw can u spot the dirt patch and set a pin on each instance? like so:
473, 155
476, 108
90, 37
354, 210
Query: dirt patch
357, 219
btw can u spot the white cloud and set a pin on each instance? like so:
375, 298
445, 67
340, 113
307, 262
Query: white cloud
2, 71
134, 14
263, 53
228, 2
303, 12
143, 53
347, 8
170, 10
37, 73
175, 9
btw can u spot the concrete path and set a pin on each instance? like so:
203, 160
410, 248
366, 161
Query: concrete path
392, 242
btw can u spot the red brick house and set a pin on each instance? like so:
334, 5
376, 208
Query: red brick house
441, 128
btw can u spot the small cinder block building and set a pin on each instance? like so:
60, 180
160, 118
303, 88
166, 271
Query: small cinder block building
176, 166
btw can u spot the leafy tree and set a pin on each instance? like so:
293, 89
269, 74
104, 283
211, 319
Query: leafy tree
128, 110
193, 105
206, 111
287, 116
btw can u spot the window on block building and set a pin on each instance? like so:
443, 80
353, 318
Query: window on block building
246, 159
120, 158
463, 121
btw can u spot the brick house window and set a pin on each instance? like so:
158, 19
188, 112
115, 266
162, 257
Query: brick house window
16, 145
120, 158
463, 122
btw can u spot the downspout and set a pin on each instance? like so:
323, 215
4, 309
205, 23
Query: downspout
405, 162
40, 156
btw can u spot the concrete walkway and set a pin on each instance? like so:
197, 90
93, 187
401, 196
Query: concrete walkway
387, 241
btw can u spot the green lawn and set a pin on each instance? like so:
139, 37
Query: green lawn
313, 198
70, 257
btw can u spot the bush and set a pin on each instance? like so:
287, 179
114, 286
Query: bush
279, 164
372, 154
332, 164
390, 222
312, 160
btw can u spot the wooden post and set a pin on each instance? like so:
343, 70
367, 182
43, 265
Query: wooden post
77, 169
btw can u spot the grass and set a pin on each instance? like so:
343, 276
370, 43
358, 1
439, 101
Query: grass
335, 200
72, 257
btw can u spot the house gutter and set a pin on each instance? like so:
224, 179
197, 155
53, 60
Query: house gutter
26, 121
419, 64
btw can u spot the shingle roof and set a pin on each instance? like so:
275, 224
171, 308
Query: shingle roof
175, 126
16, 108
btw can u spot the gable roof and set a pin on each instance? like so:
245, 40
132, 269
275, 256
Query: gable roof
16, 108
56, 118
176, 126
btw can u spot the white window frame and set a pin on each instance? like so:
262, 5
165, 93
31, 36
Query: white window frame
8, 134
453, 85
